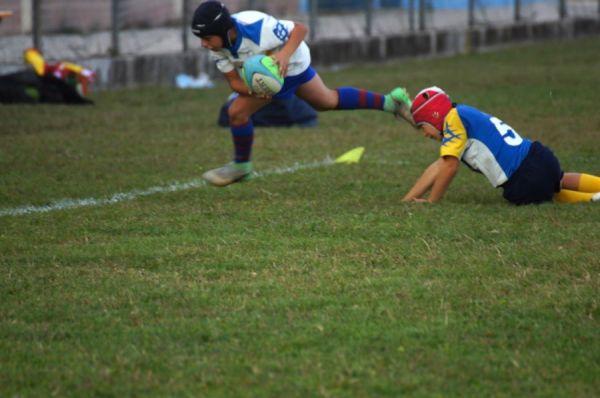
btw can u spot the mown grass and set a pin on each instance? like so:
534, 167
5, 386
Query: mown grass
315, 283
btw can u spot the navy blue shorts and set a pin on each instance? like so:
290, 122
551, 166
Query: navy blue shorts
536, 180
291, 83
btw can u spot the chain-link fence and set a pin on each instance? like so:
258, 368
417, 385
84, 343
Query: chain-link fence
80, 29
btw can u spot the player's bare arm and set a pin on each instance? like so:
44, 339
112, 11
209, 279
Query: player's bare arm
447, 169
424, 183
282, 57
236, 83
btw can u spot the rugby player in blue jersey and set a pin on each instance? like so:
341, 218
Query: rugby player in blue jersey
527, 171
231, 39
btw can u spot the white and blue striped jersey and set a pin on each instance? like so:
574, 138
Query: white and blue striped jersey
260, 33
484, 142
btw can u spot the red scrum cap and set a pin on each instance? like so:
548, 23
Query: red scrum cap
431, 106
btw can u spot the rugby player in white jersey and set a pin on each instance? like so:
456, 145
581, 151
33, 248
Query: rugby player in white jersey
231, 39
527, 171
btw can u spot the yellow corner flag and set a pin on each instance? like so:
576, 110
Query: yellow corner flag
352, 156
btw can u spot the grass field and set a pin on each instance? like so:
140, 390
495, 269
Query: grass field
317, 282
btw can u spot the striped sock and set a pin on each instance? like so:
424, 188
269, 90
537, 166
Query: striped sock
243, 137
357, 98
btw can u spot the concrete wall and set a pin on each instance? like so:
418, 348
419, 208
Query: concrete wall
86, 16
447, 42
162, 69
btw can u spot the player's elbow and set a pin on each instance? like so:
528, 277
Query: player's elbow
451, 164
300, 29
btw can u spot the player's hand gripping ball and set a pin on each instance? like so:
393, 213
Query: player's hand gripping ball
261, 75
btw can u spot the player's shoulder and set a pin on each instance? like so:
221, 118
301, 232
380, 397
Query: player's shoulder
470, 111
454, 129
466, 109
471, 116
249, 17
453, 116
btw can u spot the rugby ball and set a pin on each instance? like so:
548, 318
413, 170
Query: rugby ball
261, 75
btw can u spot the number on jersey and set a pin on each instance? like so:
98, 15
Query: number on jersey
509, 135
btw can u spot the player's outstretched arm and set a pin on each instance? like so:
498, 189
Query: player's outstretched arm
437, 177
447, 170
424, 183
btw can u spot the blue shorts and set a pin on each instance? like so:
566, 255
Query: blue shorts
536, 180
291, 83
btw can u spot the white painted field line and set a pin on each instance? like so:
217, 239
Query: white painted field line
64, 204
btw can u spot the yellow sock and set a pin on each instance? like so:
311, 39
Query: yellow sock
589, 183
568, 196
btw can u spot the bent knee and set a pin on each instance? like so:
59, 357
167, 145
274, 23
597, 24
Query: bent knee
237, 116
